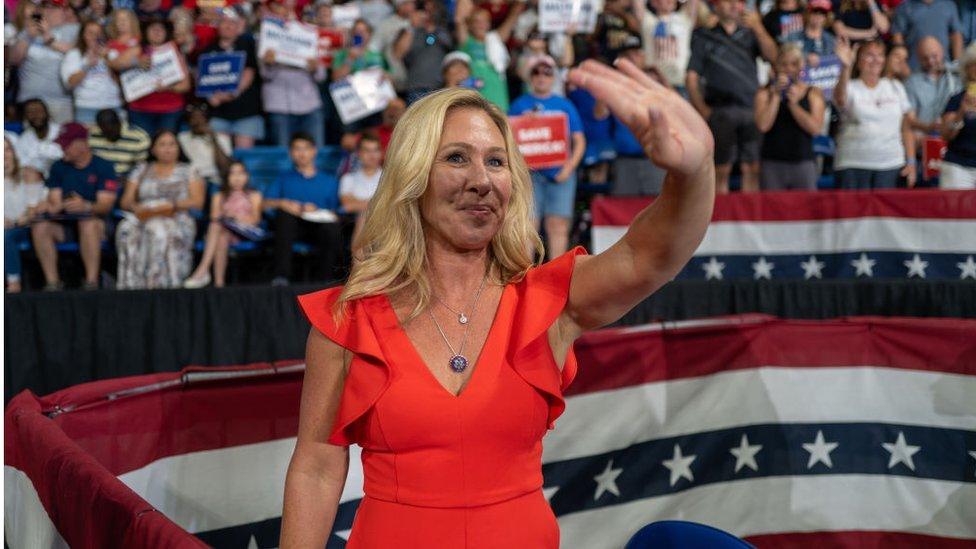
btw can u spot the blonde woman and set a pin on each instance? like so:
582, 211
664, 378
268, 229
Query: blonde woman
447, 351
22, 192
789, 112
124, 38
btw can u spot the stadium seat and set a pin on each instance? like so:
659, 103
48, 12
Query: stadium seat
679, 534
265, 163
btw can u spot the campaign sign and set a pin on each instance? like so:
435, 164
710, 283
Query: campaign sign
933, 151
293, 42
825, 75
361, 94
329, 41
219, 72
542, 138
165, 69
558, 15
344, 15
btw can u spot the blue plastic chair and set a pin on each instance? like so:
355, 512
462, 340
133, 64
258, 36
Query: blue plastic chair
679, 534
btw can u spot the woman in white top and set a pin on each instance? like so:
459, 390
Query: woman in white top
20, 195
875, 144
85, 72
357, 187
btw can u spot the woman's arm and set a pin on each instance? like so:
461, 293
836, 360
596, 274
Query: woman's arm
505, 29
766, 106
664, 235
810, 121
462, 11
352, 204
216, 204
317, 471
73, 70
182, 86
879, 21
196, 196
125, 60
842, 30
845, 53
909, 172
128, 201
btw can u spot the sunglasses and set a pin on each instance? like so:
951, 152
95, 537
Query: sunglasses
544, 71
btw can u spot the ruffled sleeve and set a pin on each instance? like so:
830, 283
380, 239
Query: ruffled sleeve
542, 296
368, 375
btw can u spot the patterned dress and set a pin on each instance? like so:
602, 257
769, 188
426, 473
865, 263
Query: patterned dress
157, 252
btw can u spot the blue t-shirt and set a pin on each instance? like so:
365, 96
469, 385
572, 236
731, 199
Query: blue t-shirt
530, 103
599, 142
822, 47
916, 19
98, 175
962, 149
320, 189
624, 140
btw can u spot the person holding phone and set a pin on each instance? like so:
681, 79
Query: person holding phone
958, 169
81, 192
357, 56
85, 72
789, 112
38, 51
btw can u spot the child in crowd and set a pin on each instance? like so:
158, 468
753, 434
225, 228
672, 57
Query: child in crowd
357, 187
234, 201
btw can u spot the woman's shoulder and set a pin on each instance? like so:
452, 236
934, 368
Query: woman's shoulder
139, 171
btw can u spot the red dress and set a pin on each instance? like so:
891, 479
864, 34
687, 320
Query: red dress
451, 471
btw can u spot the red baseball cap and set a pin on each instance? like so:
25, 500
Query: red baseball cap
69, 133
824, 5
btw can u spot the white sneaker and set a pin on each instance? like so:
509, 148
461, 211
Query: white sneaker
194, 283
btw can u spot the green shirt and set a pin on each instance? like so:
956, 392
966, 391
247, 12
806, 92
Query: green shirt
495, 87
367, 60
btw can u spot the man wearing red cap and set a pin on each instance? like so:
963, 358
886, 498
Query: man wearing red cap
82, 189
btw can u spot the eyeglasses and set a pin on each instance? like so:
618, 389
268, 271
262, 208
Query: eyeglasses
544, 71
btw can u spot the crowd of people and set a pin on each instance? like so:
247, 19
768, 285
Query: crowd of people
877, 77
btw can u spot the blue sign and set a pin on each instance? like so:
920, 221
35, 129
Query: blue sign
825, 75
219, 72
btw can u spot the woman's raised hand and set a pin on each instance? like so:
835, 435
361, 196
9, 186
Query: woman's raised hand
672, 133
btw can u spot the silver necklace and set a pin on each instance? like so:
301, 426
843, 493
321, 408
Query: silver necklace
458, 362
463, 318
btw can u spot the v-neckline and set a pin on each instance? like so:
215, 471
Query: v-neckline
487, 348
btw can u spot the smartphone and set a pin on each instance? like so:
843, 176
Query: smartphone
357, 40
37, 17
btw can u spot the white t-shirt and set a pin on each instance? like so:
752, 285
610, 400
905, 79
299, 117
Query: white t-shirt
359, 185
17, 197
38, 153
870, 131
98, 90
199, 149
39, 70
667, 43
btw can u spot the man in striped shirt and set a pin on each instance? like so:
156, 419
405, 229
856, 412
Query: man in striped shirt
118, 142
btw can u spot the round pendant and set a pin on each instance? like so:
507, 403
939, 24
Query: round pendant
462, 319
458, 363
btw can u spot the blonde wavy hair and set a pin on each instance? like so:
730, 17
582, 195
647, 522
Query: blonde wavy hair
391, 249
